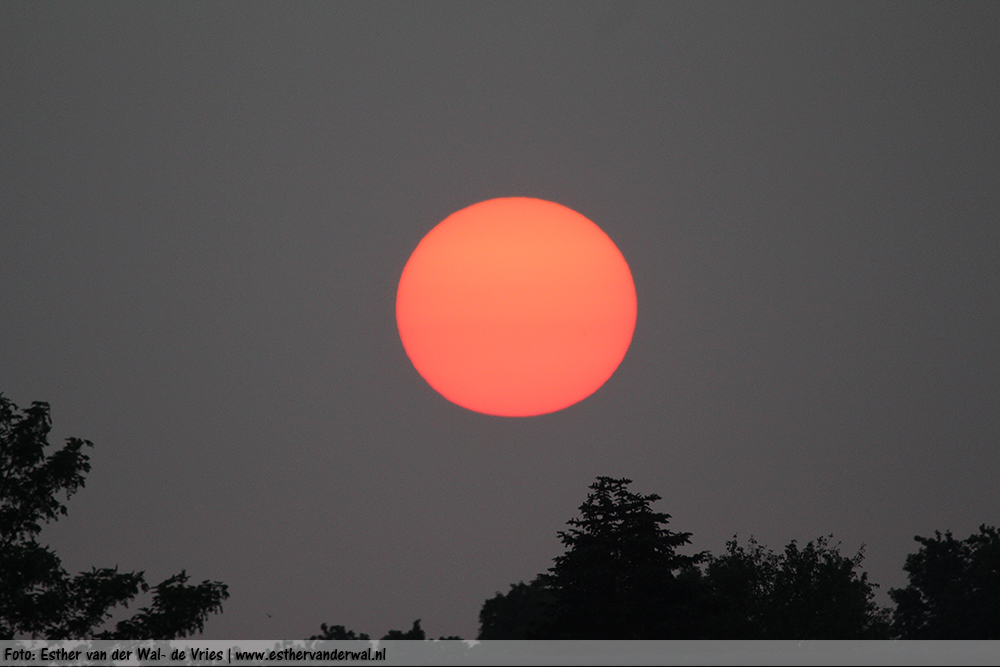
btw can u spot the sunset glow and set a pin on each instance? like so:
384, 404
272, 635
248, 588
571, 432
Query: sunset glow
516, 307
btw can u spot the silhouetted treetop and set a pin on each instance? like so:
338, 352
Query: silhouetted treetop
413, 633
178, 610
30, 482
37, 596
338, 632
812, 592
521, 613
619, 572
622, 577
954, 588
618, 526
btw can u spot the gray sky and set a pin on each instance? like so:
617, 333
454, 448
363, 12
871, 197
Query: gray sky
206, 209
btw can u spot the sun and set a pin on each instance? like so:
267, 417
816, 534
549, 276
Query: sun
516, 307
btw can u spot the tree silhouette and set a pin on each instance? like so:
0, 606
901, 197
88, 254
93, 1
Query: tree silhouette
812, 592
178, 610
738, 587
523, 613
414, 633
954, 589
617, 579
338, 632
37, 596
620, 578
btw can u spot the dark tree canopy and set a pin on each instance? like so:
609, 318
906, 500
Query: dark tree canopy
620, 578
954, 589
37, 596
338, 632
522, 613
812, 592
178, 610
416, 632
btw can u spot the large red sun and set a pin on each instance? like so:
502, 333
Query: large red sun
516, 307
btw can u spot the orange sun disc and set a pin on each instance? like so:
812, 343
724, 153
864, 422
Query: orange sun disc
516, 307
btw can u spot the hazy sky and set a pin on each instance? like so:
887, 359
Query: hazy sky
206, 209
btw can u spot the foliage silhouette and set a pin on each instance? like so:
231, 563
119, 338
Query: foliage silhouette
808, 593
338, 632
617, 579
522, 613
37, 596
954, 589
620, 578
413, 633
